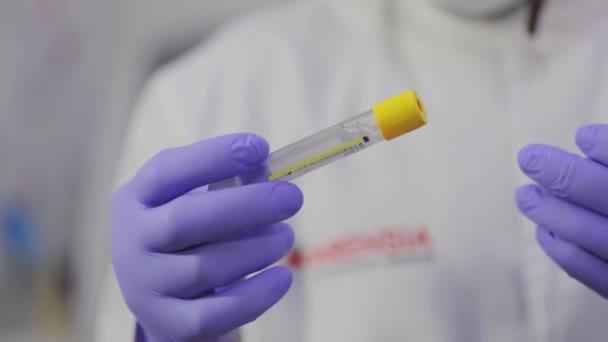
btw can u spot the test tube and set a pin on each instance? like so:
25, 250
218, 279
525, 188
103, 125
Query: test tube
387, 120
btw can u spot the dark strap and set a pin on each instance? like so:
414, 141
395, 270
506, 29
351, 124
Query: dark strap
536, 7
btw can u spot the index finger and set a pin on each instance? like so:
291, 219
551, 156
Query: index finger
580, 180
176, 171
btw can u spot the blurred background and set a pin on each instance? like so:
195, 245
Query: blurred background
70, 71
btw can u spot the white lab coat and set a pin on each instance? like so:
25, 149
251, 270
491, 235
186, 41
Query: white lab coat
417, 239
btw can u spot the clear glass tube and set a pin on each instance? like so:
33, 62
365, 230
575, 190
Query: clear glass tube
385, 121
314, 151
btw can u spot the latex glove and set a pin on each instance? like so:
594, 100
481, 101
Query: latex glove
181, 253
570, 204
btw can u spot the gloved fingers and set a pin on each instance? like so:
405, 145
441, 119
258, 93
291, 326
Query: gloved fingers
578, 263
577, 179
210, 317
176, 171
570, 222
243, 302
593, 141
195, 272
199, 217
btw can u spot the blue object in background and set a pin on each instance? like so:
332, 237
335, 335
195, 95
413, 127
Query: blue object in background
20, 232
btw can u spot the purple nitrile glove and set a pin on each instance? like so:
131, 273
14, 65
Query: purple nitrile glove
181, 254
570, 204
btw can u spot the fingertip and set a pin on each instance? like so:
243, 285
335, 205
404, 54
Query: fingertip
527, 197
263, 291
280, 279
260, 145
249, 150
288, 197
551, 167
586, 137
242, 302
532, 158
285, 233
289, 237
592, 140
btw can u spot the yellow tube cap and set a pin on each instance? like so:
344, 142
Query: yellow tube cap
400, 114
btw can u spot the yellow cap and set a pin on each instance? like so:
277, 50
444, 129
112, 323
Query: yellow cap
400, 114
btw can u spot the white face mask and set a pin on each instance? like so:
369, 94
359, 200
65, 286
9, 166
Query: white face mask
480, 8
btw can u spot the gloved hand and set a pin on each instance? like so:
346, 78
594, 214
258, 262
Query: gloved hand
570, 204
181, 253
